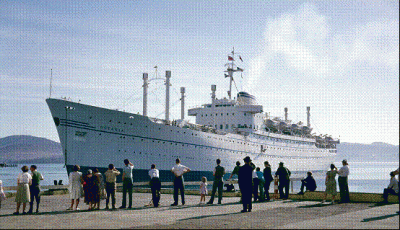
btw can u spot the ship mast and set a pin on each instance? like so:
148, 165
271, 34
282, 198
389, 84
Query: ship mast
231, 69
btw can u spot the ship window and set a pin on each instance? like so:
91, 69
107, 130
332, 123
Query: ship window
216, 114
226, 126
221, 114
245, 114
227, 114
221, 127
206, 115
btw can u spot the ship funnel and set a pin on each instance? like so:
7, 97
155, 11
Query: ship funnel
308, 116
286, 114
167, 83
213, 89
145, 87
182, 103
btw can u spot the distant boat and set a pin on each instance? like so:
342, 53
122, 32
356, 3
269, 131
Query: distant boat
3, 165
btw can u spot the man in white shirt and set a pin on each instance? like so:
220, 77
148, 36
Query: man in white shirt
178, 170
155, 185
127, 180
343, 184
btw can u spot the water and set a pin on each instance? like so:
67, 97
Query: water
50, 173
370, 177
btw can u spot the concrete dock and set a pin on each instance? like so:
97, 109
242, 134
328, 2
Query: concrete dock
276, 214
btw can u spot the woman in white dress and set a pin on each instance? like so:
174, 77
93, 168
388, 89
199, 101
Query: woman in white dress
23, 194
75, 187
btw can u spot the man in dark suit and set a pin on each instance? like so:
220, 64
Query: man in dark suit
268, 178
218, 173
245, 184
284, 179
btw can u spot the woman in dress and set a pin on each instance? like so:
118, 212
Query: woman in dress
98, 187
23, 195
87, 188
330, 183
75, 187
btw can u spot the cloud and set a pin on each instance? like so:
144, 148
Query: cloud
302, 42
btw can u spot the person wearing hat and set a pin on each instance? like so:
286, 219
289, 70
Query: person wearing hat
245, 184
343, 184
268, 178
284, 178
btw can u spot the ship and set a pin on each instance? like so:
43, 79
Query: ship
227, 128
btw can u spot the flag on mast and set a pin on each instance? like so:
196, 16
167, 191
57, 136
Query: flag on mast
230, 58
240, 58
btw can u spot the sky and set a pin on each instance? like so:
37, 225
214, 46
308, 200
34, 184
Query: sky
341, 58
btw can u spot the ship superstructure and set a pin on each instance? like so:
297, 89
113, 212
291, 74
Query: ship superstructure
226, 128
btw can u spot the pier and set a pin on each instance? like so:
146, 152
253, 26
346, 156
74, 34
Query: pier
299, 211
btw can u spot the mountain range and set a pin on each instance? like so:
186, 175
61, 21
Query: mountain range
30, 149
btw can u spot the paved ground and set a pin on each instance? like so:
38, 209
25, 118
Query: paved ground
276, 214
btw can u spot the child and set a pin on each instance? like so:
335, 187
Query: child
2, 194
203, 190
276, 187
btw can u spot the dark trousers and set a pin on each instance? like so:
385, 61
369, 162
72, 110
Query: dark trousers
218, 184
155, 186
283, 184
344, 190
110, 190
266, 189
256, 182
386, 193
35, 194
246, 197
127, 188
178, 185
303, 184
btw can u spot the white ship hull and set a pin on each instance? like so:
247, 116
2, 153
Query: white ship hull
95, 137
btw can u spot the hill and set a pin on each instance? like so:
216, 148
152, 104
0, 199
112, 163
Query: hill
30, 149
375, 152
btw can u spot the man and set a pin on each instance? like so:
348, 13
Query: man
268, 178
284, 178
127, 183
261, 182
235, 170
178, 170
343, 184
309, 183
245, 184
35, 188
218, 174
155, 184
111, 178
256, 182
393, 187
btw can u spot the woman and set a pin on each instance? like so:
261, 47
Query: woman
75, 187
23, 194
330, 183
98, 188
88, 187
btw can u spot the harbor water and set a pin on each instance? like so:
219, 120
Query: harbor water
368, 177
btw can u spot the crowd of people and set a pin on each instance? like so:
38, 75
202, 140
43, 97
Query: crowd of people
253, 183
